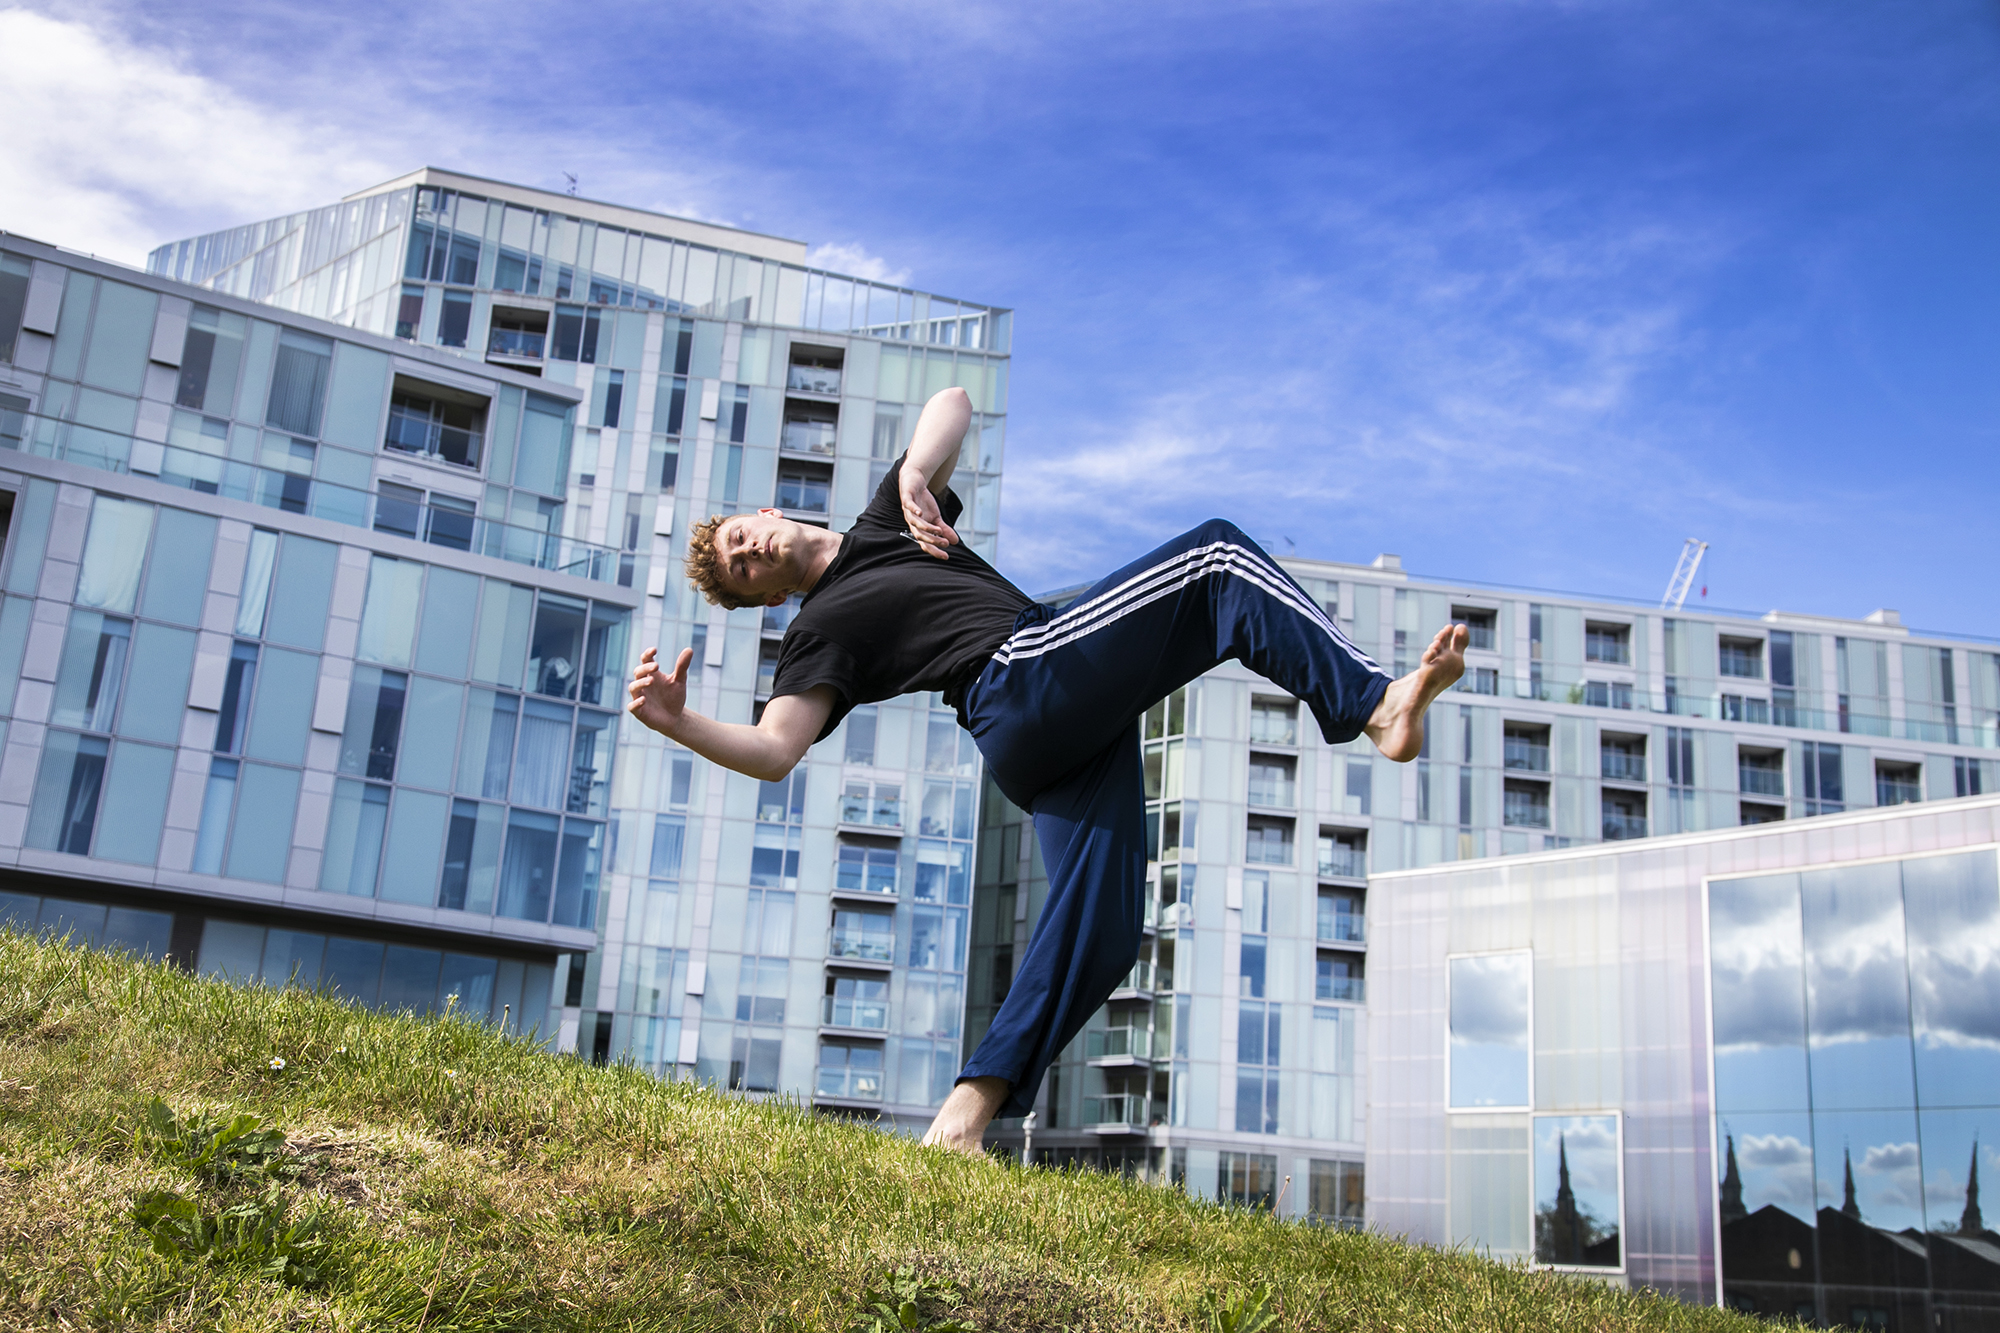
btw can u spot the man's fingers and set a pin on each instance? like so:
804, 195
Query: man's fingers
681, 664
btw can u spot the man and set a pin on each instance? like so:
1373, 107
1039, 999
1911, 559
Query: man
1053, 700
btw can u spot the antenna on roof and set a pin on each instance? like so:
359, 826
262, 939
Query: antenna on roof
570, 176
1692, 551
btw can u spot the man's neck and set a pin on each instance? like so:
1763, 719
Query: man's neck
821, 547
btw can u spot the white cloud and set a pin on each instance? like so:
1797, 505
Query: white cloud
106, 142
856, 262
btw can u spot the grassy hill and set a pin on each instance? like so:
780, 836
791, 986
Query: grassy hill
180, 1154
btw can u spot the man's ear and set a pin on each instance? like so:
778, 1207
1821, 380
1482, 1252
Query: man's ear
777, 599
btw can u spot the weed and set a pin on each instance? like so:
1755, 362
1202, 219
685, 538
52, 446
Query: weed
906, 1301
221, 1149
1245, 1312
253, 1234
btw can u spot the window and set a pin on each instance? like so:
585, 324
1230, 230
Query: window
1343, 853
1743, 658
1489, 1019
873, 803
607, 401
1820, 779
1271, 781
1258, 1032
1268, 841
804, 489
435, 423
863, 936
809, 428
1607, 643
1897, 783
1274, 722
1760, 772
374, 723
850, 1071
1622, 758
92, 671
1247, 1179
1624, 814
1525, 804
1754, 812
298, 383
865, 867
409, 312
1607, 694
1360, 786
1577, 1209
732, 417
1478, 622
814, 370
860, 736
211, 354
1339, 977
15, 273
1968, 776
856, 1002
1335, 1193
1340, 918
64, 813
1746, 708
1525, 747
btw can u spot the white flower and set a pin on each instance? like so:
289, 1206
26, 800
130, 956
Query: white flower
451, 1073
277, 1063
340, 1050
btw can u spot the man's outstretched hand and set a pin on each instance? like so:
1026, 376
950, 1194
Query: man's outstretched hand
658, 697
920, 511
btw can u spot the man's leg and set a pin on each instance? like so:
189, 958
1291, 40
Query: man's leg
1092, 830
1058, 690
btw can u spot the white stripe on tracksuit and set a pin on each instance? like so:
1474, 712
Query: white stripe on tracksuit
1163, 580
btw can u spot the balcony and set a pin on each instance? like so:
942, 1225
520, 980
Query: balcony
1341, 861
524, 343
1760, 781
803, 494
861, 810
1138, 981
1620, 827
808, 437
1527, 756
1274, 793
1120, 1111
1119, 1045
848, 1084
1479, 636
1622, 767
872, 875
1352, 989
814, 379
859, 946
838, 1011
414, 433
1897, 790
1343, 928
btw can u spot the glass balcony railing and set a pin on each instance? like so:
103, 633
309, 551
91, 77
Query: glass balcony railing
1118, 1044
1480, 637
1525, 814
856, 1085
1760, 781
413, 433
838, 1011
870, 946
1343, 928
1618, 827
1898, 791
1526, 756
814, 379
1343, 862
808, 437
872, 876
1140, 978
295, 492
1622, 767
805, 495
515, 342
1351, 989
1119, 1108
1275, 793
877, 811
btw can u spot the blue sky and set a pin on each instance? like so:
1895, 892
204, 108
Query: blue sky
1525, 292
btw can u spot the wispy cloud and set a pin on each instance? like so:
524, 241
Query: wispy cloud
855, 261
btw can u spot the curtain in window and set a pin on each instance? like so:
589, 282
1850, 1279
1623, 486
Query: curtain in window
298, 383
541, 757
114, 554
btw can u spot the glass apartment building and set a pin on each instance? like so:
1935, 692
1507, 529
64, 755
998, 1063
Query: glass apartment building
483, 417
1240, 1059
1758, 1067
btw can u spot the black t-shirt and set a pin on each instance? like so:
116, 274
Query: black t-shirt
887, 619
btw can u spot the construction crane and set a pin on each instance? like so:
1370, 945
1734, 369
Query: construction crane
1692, 551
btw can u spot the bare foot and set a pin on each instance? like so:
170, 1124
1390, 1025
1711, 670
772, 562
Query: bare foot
961, 1122
1397, 725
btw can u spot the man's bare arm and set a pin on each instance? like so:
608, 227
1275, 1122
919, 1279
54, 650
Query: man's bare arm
927, 471
767, 751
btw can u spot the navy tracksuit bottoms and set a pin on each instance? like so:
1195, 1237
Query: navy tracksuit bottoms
1056, 715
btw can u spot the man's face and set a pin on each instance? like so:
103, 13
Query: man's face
760, 556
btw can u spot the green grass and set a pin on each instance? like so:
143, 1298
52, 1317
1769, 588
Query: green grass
433, 1174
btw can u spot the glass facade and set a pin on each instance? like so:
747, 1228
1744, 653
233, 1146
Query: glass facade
1856, 1074
1751, 1067
811, 941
